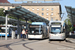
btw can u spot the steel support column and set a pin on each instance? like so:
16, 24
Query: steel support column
26, 24
26, 29
6, 19
18, 29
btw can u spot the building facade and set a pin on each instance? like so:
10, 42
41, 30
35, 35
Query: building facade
49, 11
4, 1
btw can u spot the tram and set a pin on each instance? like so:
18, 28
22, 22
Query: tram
37, 30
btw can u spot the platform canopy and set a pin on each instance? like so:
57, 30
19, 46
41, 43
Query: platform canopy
11, 21
26, 14
71, 14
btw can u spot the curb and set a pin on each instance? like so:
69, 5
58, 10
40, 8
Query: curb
70, 41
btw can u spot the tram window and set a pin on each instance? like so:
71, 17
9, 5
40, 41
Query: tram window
2, 29
63, 30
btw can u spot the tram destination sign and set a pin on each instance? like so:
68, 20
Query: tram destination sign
56, 23
34, 26
36, 0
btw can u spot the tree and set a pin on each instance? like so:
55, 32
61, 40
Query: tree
1, 12
69, 24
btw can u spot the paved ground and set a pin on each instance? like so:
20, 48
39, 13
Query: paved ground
53, 45
3, 38
25, 44
19, 44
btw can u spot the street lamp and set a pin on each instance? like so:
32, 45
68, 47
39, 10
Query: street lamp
6, 21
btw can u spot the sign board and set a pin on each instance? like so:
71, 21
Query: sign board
56, 23
34, 26
36, 0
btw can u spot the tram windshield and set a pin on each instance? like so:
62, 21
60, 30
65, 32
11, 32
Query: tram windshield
35, 30
55, 29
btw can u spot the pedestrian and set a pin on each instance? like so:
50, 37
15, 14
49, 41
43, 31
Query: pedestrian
23, 33
16, 33
26, 33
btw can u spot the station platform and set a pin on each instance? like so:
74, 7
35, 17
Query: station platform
71, 38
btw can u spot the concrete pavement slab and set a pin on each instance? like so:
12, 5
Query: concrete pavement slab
19, 44
18, 47
44, 45
71, 38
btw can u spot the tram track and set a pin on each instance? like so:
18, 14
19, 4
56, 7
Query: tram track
18, 43
24, 44
62, 43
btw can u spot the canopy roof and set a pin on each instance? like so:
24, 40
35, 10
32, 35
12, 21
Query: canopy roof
26, 14
11, 21
71, 14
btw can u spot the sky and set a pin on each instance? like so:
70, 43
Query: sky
63, 3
